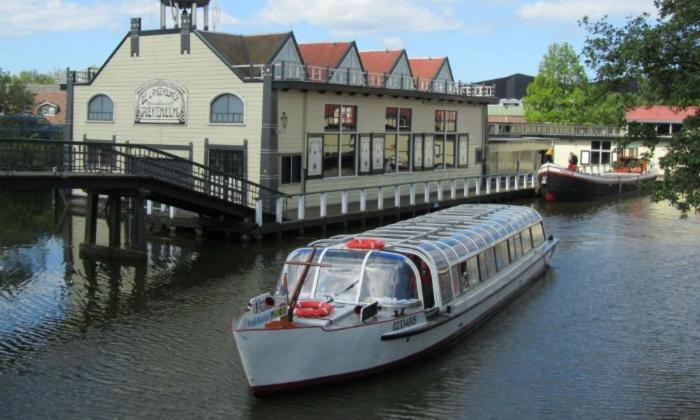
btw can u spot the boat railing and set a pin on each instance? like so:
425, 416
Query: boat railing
292, 208
595, 169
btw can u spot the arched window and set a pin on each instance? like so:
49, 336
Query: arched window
101, 108
227, 109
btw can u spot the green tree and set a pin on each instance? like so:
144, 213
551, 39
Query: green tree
33, 76
561, 92
15, 98
663, 56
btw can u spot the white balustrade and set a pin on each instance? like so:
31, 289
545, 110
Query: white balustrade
412, 198
397, 196
453, 189
363, 199
344, 202
258, 212
380, 199
279, 209
322, 203
301, 207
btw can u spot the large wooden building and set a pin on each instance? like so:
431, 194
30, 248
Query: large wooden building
292, 117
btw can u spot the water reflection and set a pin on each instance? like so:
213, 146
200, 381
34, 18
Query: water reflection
610, 331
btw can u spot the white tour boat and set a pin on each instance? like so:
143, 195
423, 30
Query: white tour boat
355, 304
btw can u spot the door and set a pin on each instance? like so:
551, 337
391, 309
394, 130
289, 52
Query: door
232, 163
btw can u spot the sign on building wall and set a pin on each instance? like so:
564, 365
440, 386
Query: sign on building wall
161, 102
365, 152
315, 153
463, 149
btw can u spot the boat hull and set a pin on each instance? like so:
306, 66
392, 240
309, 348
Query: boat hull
559, 184
277, 360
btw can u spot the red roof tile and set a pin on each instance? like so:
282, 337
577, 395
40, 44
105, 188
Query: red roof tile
326, 54
426, 68
661, 114
380, 61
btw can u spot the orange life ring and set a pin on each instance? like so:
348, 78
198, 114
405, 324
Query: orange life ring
312, 308
364, 243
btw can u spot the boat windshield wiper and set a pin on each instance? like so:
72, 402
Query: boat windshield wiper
348, 288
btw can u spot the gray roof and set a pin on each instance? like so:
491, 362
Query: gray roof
238, 50
459, 232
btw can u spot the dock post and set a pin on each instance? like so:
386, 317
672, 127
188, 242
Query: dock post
412, 198
301, 207
138, 225
149, 207
323, 205
466, 187
363, 199
397, 196
477, 186
453, 189
91, 218
426, 193
380, 199
488, 185
114, 204
439, 191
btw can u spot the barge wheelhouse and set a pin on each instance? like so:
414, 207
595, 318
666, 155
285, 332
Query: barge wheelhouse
353, 304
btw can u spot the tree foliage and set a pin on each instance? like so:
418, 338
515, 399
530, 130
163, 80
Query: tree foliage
33, 76
561, 92
15, 98
663, 56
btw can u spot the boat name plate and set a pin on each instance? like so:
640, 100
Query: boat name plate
402, 323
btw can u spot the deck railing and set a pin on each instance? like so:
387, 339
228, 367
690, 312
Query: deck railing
554, 130
21, 155
290, 71
363, 199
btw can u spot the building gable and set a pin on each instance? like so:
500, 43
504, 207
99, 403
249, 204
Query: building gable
350, 65
401, 76
288, 60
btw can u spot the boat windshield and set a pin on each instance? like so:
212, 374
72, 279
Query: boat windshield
339, 275
291, 274
389, 279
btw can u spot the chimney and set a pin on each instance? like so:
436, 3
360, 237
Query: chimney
185, 33
135, 30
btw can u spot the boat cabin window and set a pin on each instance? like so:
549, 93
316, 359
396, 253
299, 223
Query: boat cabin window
443, 267
487, 263
426, 281
340, 274
388, 279
469, 273
527, 240
515, 247
291, 274
502, 254
537, 234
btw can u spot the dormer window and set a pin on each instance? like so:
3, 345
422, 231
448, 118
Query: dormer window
47, 109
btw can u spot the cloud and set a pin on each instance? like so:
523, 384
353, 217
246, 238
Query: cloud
392, 43
353, 17
21, 18
572, 10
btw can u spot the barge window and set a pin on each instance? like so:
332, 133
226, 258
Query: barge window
487, 263
527, 240
469, 273
291, 274
389, 279
516, 247
502, 254
340, 278
537, 234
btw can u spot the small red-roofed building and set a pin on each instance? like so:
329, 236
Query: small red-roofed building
666, 119
49, 102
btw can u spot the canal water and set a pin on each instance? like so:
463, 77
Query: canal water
613, 328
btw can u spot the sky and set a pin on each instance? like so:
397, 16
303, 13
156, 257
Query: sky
484, 39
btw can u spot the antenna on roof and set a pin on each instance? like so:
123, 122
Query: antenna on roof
216, 17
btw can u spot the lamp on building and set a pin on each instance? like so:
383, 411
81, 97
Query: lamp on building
283, 120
